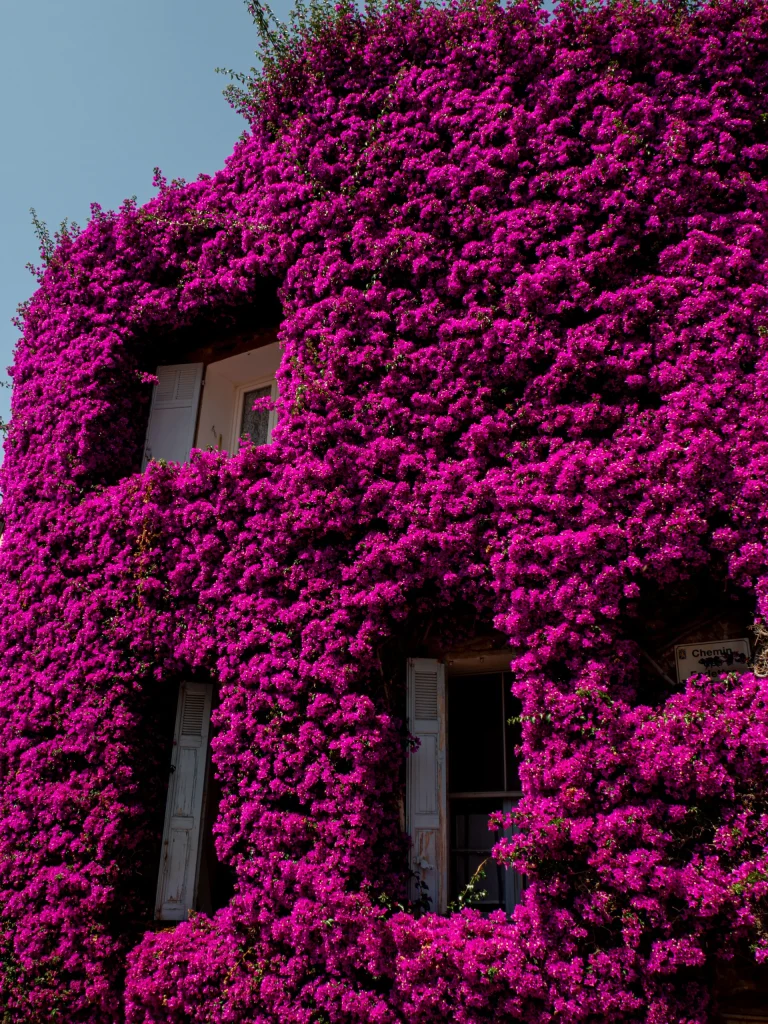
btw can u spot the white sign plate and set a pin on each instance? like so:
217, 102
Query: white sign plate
711, 657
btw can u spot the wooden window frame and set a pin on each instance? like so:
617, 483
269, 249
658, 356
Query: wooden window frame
240, 391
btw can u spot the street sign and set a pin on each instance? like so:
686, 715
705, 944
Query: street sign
711, 657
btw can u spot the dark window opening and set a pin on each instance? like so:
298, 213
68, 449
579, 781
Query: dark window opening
483, 777
216, 880
471, 842
692, 611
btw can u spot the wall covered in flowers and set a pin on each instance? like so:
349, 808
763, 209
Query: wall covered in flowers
524, 387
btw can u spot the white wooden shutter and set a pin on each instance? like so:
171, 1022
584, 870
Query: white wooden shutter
180, 857
173, 414
426, 800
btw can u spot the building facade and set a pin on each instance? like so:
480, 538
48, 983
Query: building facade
384, 566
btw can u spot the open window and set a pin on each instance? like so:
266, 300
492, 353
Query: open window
190, 876
464, 769
232, 386
197, 405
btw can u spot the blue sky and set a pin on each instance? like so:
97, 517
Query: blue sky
95, 94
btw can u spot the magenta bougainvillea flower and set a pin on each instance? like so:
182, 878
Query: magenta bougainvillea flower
521, 259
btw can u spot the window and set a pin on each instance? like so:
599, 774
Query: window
188, 411
449, 798
254, 424
482, 778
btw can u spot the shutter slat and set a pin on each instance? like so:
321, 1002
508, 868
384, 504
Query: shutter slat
186, 383
192, 720
166, 386
425, 701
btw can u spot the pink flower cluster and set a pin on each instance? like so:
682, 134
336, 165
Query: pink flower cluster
522, 261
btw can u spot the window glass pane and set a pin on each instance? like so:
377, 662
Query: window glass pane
475, 734
216, 881
471, 844
512, 709
255, 425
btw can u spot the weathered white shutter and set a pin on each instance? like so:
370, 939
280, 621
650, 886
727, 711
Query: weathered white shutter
180, 856
173, 414
426, 800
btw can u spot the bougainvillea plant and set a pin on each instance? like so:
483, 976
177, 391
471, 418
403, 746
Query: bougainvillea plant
521, 258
